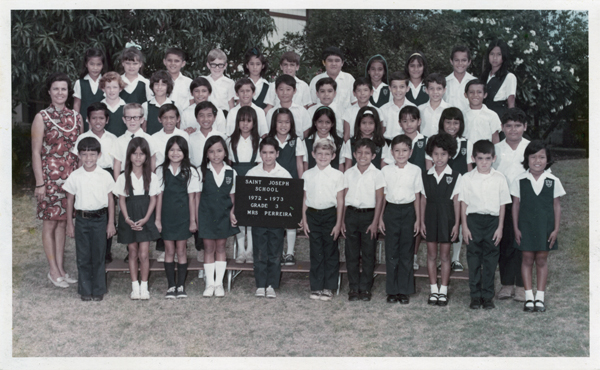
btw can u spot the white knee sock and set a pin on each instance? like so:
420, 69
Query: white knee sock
444, 289
291, 240
539, 295
220, 267
249, 241
209, 269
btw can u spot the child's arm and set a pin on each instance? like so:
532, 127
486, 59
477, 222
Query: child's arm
110, 226
153, 163
144, 126
383, 163
428, 164
420, 211
511, 101
344, 213
378, 207
463, 216
77, 104
117, 171
346, 131
158, 216
123, 207
303, 224
498, 234
305, 167
455, 229
70, 227
469, 167
515, 213
193, 213
348, 163
232, 213
231, 103
300, 165
337, 229
197, 201
268, 108
151, 208
554, 233
495, 137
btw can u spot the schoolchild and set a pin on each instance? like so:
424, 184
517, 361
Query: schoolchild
244, 89
416, 69
174, 61
368, 126
162, 86
243, 148
483, 195
435, 84
137, 89
460, 58
268, 241
200, 89
285, 88
206, 113
510, 155
111, 85
176, 210
377, 75
323, 127
291, 154
441, 213
400, 220
391, 110
86, 90
89, 191
501, 85
322, 218
363, 90
536, 219
168, 117
222, 86
453, 123
216, 219
290, 64
97, 118
255, 67
333, 60
326, 92
133, 118
363, 200
137, 188
481, 123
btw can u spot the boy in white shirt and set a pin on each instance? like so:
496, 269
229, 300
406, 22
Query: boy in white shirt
174, 61
327, 91
363, 91
391, 110
289, 64
333, 60
435, 84
168, 116
460, 58
222, 86
285, 88
244, 88
201, 90
206, 113
481, 123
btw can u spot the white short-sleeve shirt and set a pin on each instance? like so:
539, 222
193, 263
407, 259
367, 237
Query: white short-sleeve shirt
509, 161
188, 119
222, 91
455, 91
119, 148
197, 141
260, 116
131, 85
484, 193
155, 103
481, 124
137, 184
181, 94
402, 183
537, 185
93, 86
322, 187
193, 182
161, 138
430, 118
391, 112
106, 142
278, 171
91, 188
508, 87
301, 96
244, 150
362, 186
343, 92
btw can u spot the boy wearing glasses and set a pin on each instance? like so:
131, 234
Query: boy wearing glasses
133, 117
222, 86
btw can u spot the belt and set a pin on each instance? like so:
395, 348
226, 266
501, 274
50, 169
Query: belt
310, 209
92, 214
360, 210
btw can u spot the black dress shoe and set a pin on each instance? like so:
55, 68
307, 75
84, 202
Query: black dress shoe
488, 304
86, 298
392, 298
403, 298
108, 258
353, 296
475, 303
365, 296
442, 300
537, 308
97, 297
529, 308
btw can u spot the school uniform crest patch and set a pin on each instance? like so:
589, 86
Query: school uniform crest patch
420, 144
463, 151
292, 143
377, 150
385, 92
549, 183
228, 180
448, 180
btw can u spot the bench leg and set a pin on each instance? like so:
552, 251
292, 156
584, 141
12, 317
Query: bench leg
339, 283
228, 281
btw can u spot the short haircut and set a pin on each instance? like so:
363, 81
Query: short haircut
324, 144
461, 49
255, 52
452, 113
269, 140
326, 81
200, 81
399, 76
291, 57
110, 77
216, 54
409, 110
58, 76
175, 51
164, 76
285, 79
89, 144
130, 106
533, 147
438, 78
365, 142
443, 141
398, 139
514, 114
244, 81
475, 81
204, 105
96, 106
332, 50
362, 81
484, 147
166, 108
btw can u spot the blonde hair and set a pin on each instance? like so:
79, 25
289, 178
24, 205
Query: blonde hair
324, 144
130, 106
216, 54
110, 77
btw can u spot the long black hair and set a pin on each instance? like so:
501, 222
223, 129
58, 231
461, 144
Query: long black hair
207, 145
487, 67
185, 166
245, 113
138, 142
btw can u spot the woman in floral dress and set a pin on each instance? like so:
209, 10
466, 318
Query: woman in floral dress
54, 132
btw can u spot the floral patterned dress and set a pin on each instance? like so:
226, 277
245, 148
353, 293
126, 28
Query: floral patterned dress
61, 130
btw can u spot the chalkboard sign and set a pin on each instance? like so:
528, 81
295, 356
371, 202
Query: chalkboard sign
268, 201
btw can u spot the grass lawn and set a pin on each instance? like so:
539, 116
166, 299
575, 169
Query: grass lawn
49, 321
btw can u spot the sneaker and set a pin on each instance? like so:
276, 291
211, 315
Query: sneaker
260, 292
181, 292
289, 260
200, 256
506, 292
326, 295
161, 257
209, 291
457, 266
240, 258
97, 298
70, 280
488, 304
86, 298
201, 274
144, 294
219, 291
249, 257
519, 294
353, 296
271, 292
315, 294
171, 293
282, 259
135, 294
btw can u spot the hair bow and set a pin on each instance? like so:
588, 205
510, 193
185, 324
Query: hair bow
132, 44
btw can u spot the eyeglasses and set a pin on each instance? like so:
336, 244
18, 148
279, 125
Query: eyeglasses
135, 118
215, 65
